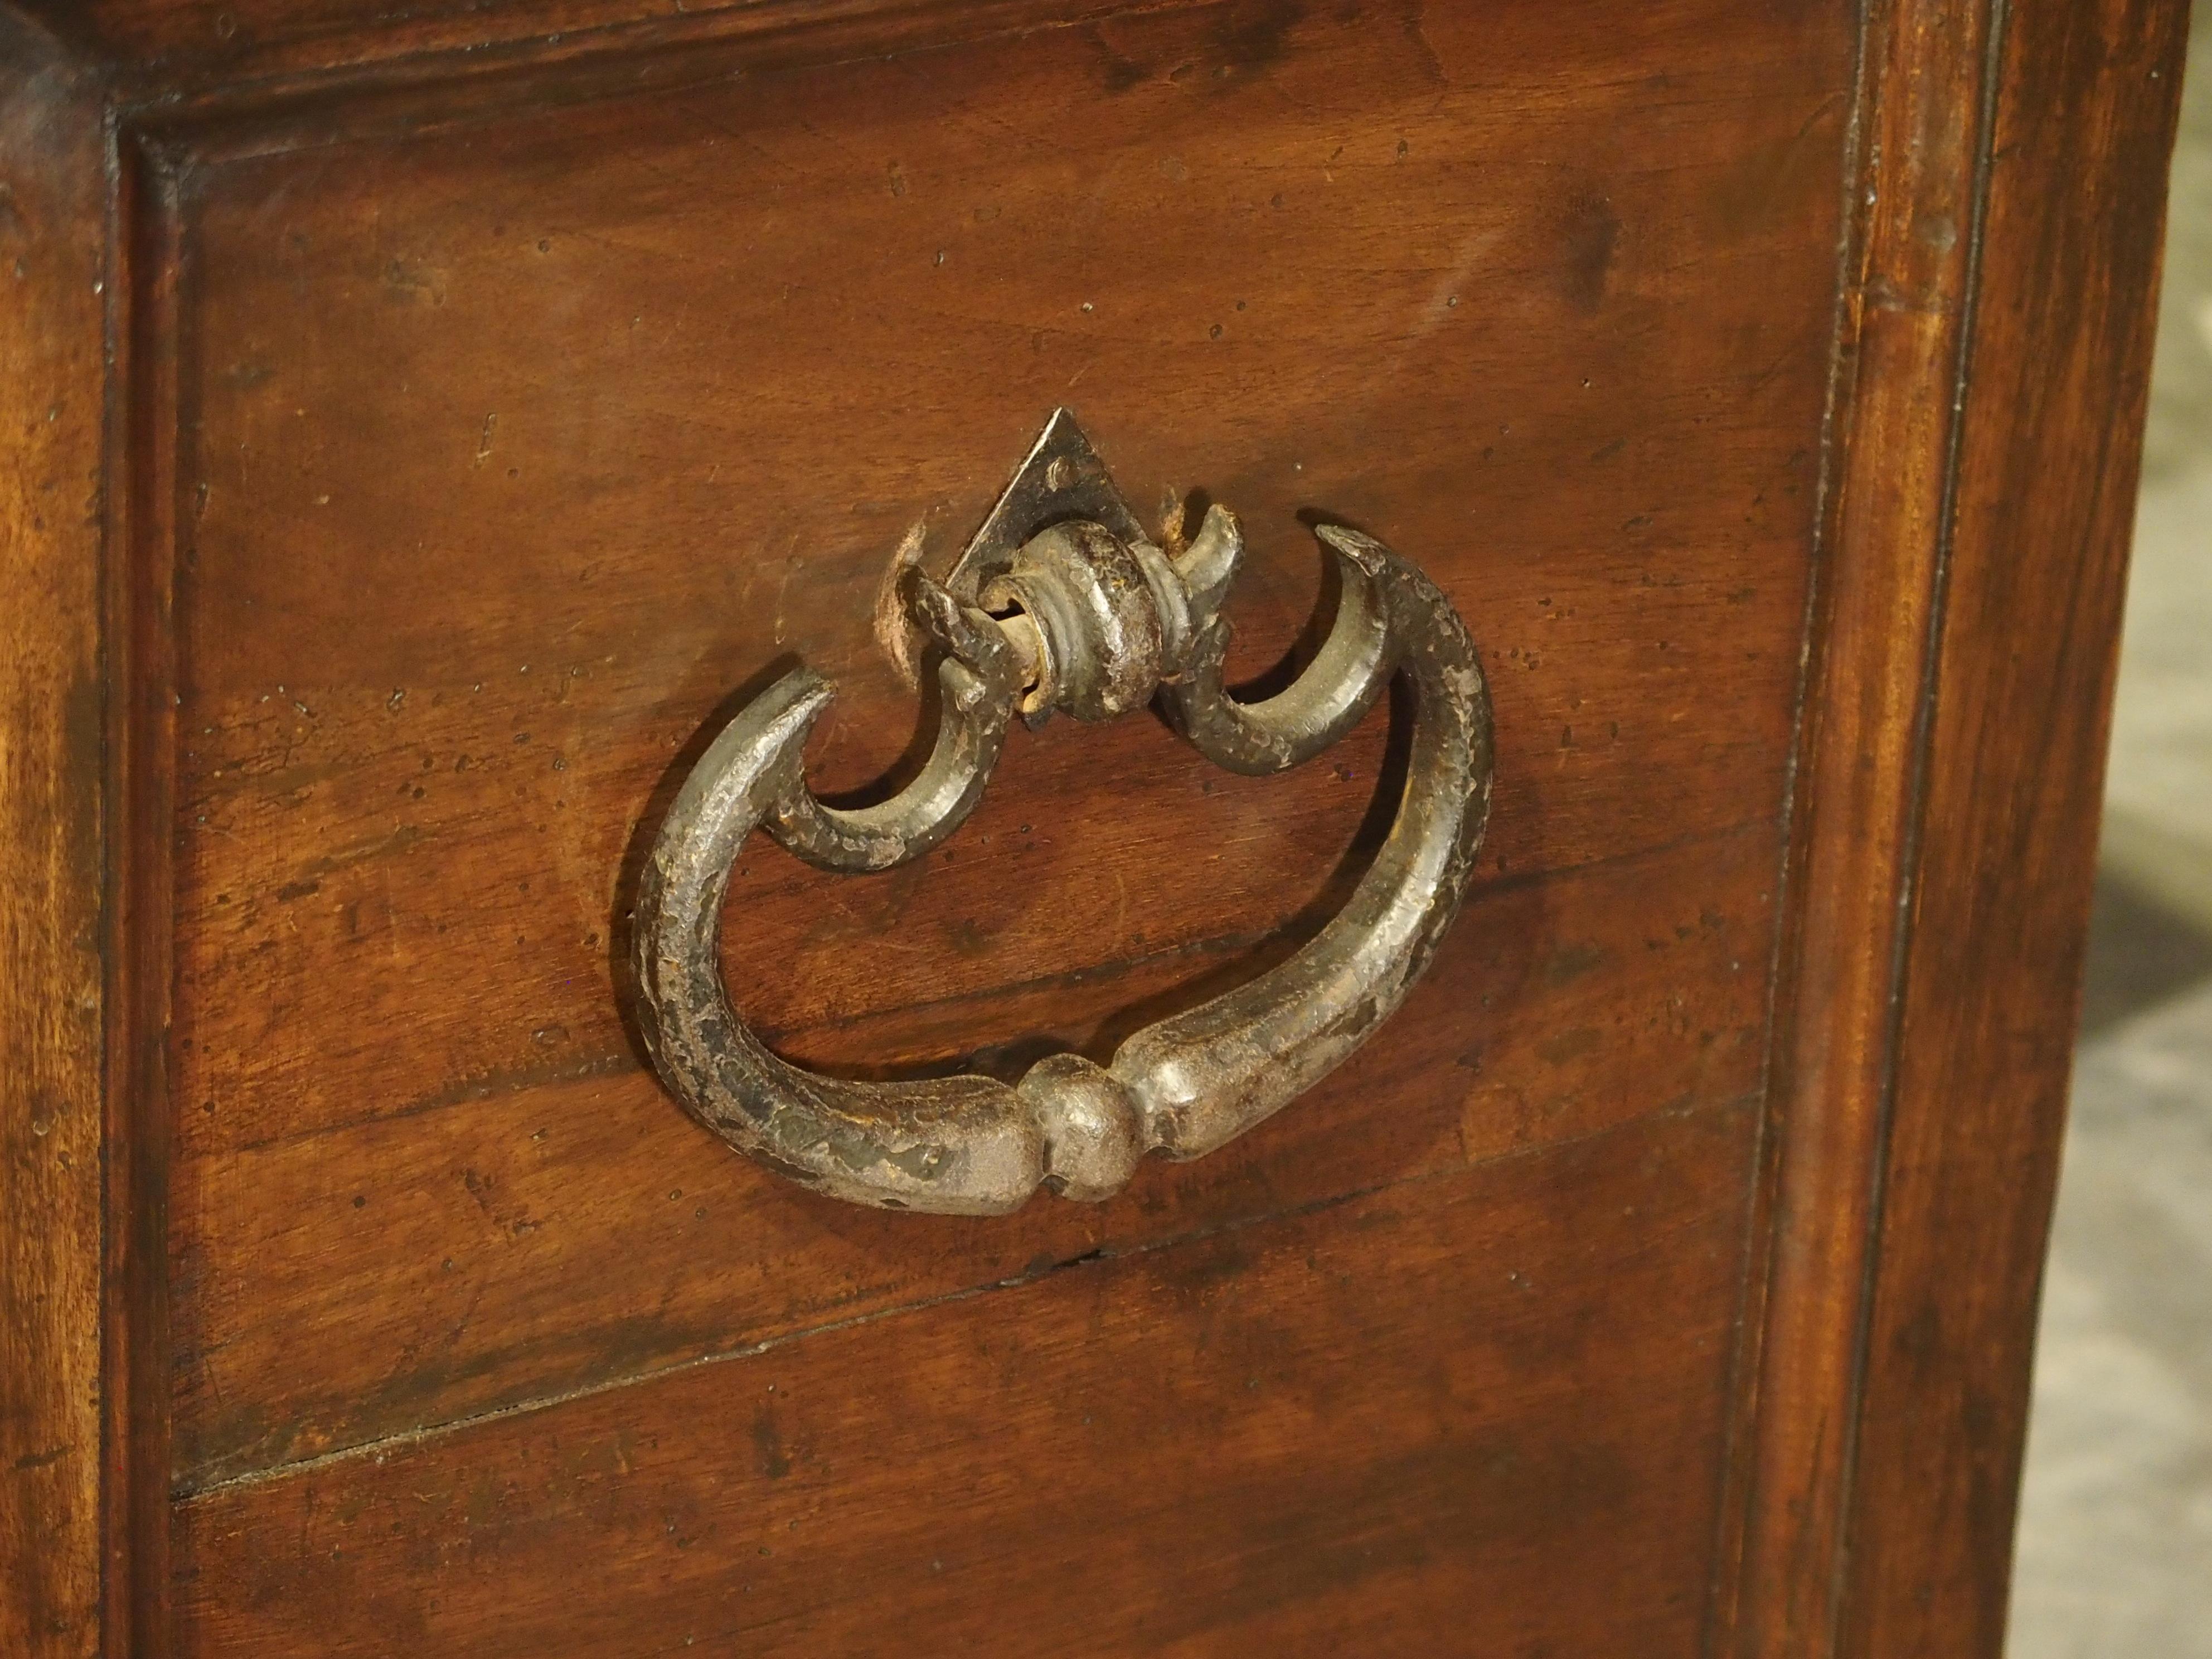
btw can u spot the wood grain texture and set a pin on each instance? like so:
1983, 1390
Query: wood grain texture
1425, 1411
518, 1245
513, 385
172, 45
1947, 821
2064, 311
171, 54
1914, 191
511, 451
53, 266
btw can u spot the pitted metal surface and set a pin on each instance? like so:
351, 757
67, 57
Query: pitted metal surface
1093, 620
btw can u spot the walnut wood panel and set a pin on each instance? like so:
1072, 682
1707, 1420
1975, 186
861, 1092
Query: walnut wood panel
507, 453
1425, 1412
53, 269
516, 1246
1607, 449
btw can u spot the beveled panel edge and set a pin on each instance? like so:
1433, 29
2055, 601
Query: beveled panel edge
335, 97
148, 266
193, 48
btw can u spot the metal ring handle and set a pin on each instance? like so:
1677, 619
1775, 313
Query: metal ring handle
1096, 620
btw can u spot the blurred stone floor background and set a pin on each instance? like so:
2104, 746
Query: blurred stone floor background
2115, 1554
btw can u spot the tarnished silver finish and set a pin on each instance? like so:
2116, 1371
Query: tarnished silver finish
1092, 620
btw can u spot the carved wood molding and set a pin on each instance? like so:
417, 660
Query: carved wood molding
264, 86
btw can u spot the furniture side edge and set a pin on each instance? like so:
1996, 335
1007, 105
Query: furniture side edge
2088, 98
1913, 185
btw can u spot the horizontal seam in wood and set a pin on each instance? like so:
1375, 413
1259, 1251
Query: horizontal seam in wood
185, 1493
498, 1084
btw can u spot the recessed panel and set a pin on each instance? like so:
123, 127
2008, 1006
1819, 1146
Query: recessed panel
513, 453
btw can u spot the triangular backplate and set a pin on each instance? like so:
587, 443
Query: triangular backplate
1062, 479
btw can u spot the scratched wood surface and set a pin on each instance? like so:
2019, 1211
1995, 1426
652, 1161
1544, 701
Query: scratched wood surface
508, 454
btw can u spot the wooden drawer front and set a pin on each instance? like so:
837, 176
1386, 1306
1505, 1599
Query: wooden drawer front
516, 432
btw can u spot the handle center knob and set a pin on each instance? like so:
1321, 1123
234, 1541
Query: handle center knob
1096, 619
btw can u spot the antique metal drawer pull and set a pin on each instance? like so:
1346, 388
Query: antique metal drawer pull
1062, 603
